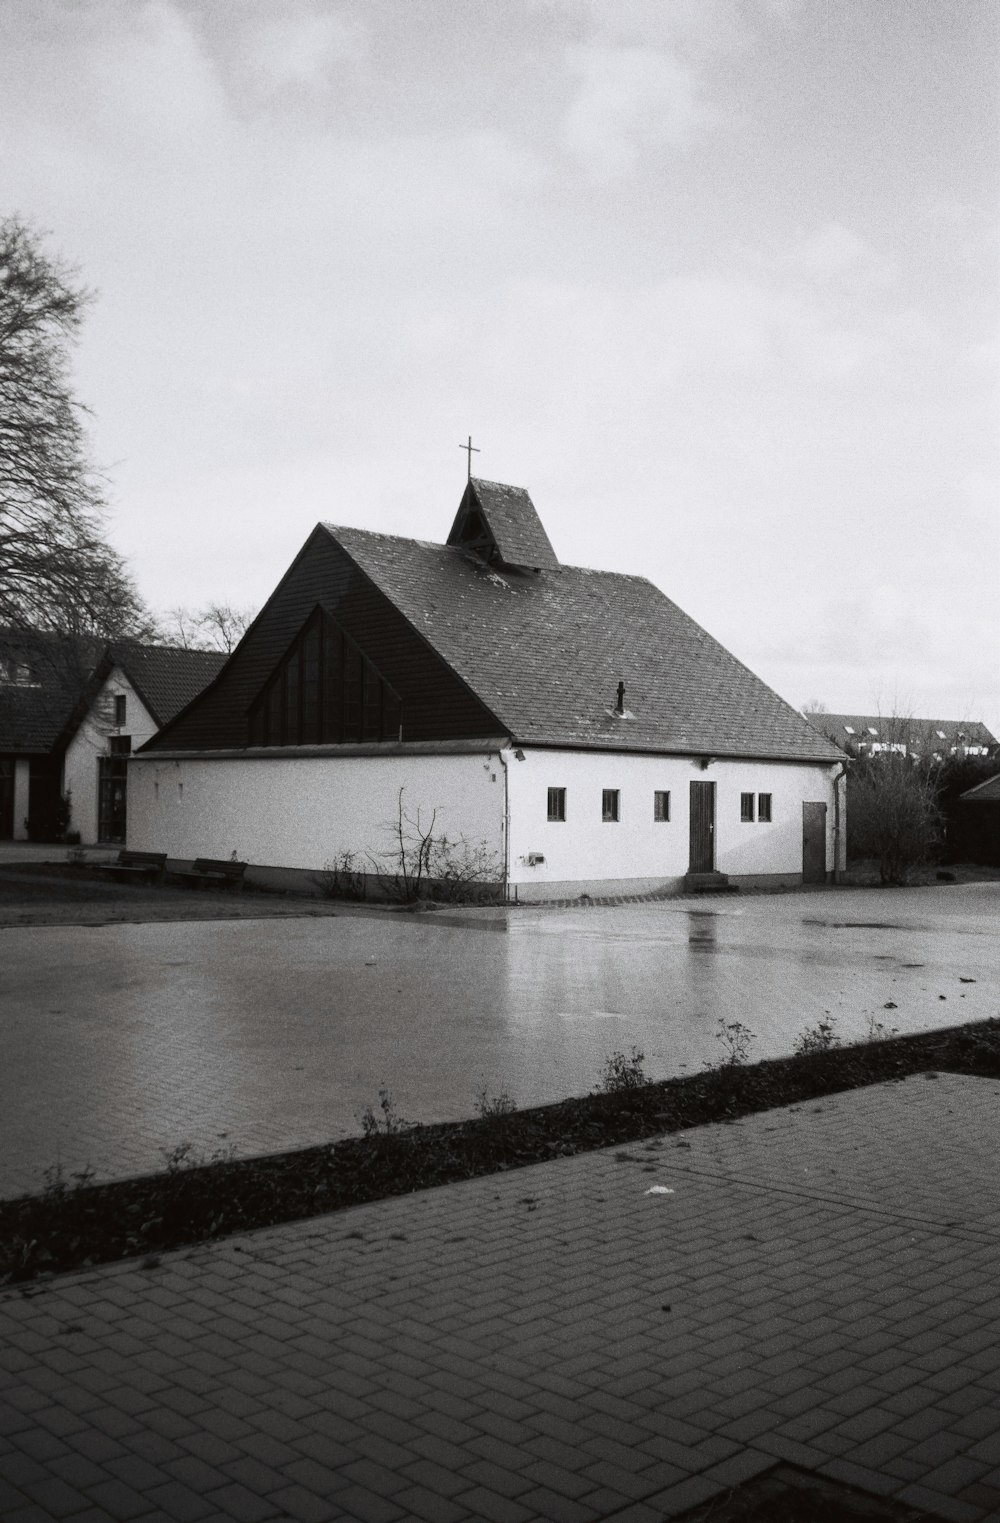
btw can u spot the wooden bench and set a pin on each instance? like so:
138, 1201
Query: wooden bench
138, 864
212, 872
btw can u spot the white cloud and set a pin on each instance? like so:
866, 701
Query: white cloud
301, 50
628, 98
835, 253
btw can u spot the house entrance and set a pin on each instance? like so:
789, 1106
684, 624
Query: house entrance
702, 828
813, 843
112, 780
7, 765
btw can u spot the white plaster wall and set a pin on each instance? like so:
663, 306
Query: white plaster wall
303, 812
22, 789
586, 849
91, 741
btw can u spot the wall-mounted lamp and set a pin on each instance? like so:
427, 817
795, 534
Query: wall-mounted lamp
705, 762
519, 755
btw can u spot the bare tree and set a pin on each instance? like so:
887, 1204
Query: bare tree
217, 626
58, 574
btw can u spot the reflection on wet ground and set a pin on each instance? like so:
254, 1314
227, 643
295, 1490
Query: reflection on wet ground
264, 1034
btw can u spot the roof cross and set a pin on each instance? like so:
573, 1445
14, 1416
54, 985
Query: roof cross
470, 449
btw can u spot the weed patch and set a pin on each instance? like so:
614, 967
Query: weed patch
74, 1224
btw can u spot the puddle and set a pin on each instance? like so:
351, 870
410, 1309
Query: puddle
859, 925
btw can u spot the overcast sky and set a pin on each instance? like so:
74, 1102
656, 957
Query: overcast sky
715, 280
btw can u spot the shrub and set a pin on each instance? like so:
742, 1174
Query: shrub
492, 1107
343, 878
421, 863
624, 1071
389, 1124
736, 1039
818, 1038
892, 814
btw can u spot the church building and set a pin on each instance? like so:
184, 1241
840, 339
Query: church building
572, 730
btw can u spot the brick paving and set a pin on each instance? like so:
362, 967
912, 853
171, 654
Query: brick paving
553, 1343
122, 1042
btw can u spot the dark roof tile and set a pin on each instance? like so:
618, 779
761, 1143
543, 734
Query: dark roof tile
168, 678
512, 521
987, 792
545, 654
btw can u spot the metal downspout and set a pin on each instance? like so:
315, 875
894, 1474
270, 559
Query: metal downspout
836, 820
506, 831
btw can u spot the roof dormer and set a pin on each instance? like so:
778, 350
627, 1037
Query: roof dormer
500, 523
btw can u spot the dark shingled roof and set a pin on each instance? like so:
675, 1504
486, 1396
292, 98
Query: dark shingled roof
984, 793
168, 678
921, 735
32, 719
512, 523
34, 715
545, 654
44, 717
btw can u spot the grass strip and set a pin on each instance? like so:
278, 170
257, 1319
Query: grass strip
75, 1225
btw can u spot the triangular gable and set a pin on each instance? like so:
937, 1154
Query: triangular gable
324, 690
501, 523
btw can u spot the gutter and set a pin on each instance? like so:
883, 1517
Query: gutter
487, 743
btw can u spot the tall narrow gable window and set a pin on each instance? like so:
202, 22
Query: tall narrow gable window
324, 691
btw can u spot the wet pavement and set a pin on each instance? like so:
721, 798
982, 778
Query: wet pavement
123, 1041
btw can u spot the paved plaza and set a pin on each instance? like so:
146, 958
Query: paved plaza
613, 1336
123, 1041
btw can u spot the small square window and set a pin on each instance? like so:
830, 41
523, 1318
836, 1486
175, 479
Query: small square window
850, 729
661, 806
611, 805
120, 708
557, 803
746, 807
872, 730
764, 808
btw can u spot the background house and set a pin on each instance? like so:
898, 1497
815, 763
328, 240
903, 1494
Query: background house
929, 739
975, 827
576, 724
70, 713
134, 690
41, 681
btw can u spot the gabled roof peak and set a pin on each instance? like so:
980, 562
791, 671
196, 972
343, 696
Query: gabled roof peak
500, 522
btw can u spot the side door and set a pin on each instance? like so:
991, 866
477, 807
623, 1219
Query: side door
813, 843
702, 858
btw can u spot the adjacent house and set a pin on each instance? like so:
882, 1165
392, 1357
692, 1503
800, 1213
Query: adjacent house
41, 680
70, 714
574, 727
875, 734
975, 824
134, 690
